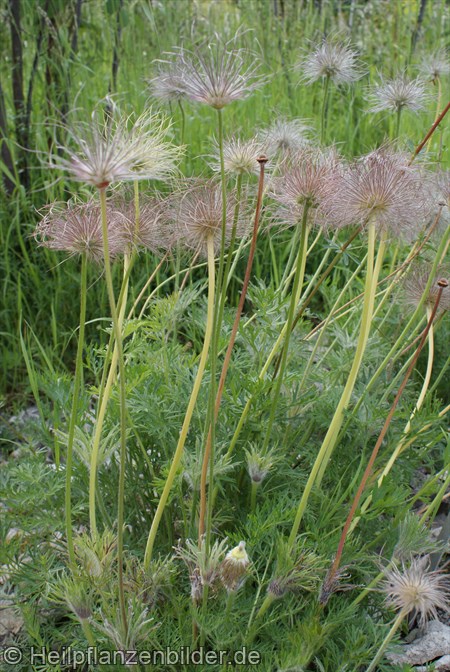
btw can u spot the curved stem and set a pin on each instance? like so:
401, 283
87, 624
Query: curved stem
122, 392
74, 411
296, 290
387, 639
190, 409
336, 423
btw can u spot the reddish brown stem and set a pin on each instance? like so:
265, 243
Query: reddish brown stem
430, 132
335, 566
226, 362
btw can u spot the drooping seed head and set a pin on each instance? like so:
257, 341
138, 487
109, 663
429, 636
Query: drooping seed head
383, 188
417, 590
285, 137
115, 148
76, 228
240, 157
196, 213
234, 567
435, 66
217, 73
305, 181
168, 83
333, 59
152, 231
399, 93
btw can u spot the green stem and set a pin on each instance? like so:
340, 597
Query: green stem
253, 493
123, 411
296, 290
397, 123
190, 409
87, 630
268, 601
386, 641
336, 423
74, 411
326, 90
183, 121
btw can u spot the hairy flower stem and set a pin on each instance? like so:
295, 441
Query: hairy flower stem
296, 290
123, 408
434, 126
397, 123
253, 494
325, 101
402, 443
268, 601
74, 411
190, 409
183, 122
87, 630
336, 423
227, 359
387, 639
368, 470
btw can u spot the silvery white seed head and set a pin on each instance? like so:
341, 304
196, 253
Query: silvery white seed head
152, 230
285, 137
397, 94
417, 590
217, 73
383, 188
115, 149
416, 282
332, 59
435, 66
167, 84
239, 156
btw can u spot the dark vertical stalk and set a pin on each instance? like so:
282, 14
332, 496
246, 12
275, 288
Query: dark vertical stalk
17, 84
115, 60
5, 152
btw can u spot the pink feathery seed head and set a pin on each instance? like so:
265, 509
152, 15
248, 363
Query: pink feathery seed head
152, 231
442, 183
397, 94
333, 59
196, 212
168, 83
415, 284
382, 188
114, 148
417, 590
240, 157
285, 137
305, 181
218, 73
77, 229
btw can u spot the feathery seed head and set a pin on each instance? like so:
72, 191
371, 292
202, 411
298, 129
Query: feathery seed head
77, 229
397, 94
380, 187
203, 565
332, 59
217, 73
234, 567
285, 137
197, 214
443, 187
415, 285
152, 231
435, 66
305, 181
239, 156
417, 590
116, 149
168, 84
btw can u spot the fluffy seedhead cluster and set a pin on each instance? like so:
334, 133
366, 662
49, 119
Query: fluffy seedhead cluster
397, 94
416, 590
337, 61
382, 188
435, 66
306, 181
113, 148
76, 228
196, 214
240, 157
285, 137
152, 230
416, 284
215, 74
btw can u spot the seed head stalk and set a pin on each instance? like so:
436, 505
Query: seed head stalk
296, 291
123, 409
325, 102
368, 470
386, 640
74, 411
226, 362
336, 423
190, 409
